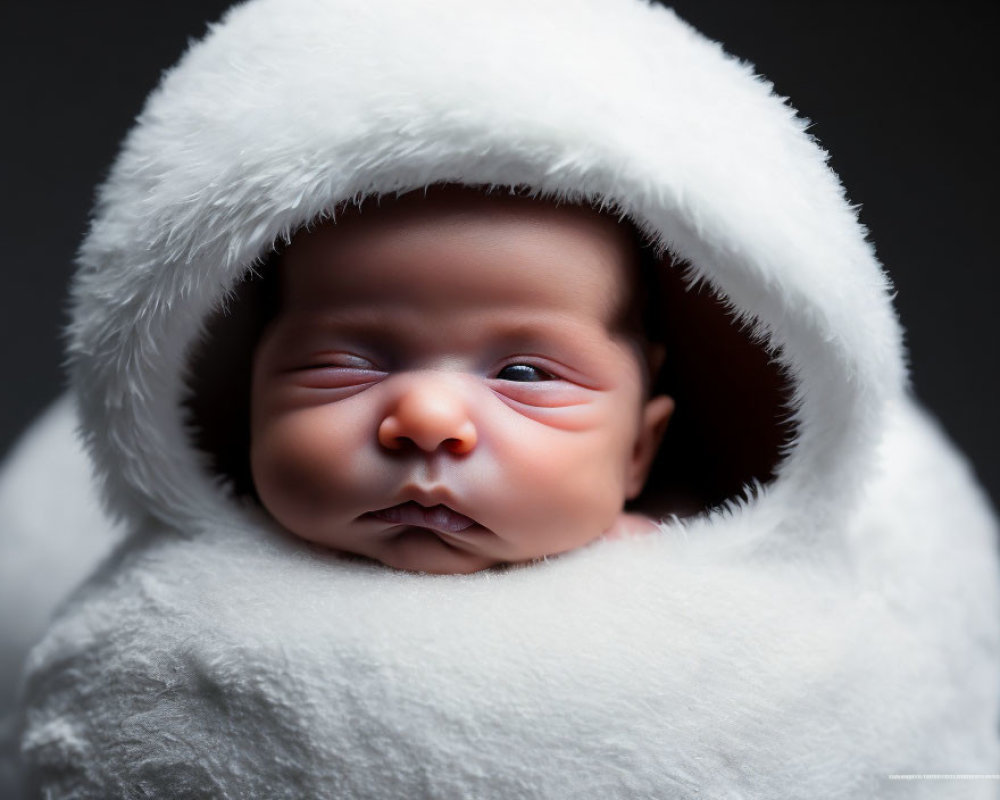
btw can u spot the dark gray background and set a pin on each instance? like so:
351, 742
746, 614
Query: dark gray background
903, 94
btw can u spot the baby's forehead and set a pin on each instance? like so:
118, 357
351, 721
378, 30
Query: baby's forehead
479, 242
426, 212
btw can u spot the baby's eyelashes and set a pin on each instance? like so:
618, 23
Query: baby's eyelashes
340, 361
329, 362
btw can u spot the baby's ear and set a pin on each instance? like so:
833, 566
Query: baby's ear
656, 415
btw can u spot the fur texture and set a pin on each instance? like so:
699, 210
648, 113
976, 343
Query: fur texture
835, 627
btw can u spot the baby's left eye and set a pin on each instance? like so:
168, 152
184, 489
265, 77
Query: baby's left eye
523, 373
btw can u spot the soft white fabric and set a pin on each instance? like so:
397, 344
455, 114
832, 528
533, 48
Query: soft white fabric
48, 544
836, 627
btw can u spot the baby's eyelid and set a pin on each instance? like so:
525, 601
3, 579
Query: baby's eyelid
340, 360
355, 361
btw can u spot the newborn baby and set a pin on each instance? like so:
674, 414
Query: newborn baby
456, 380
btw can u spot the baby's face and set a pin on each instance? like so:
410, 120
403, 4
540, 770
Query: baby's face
444, 387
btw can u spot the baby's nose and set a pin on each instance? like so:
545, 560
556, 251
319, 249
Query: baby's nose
427, 415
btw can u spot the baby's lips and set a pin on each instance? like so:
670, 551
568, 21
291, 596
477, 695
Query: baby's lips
437, 518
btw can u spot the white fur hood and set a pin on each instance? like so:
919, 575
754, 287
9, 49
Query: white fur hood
825, 629
291, 107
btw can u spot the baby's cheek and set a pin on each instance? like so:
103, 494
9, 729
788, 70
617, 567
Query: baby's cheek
569, 484
598, 491
293, 463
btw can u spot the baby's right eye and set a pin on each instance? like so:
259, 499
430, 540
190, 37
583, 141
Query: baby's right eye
336, 371
341, 361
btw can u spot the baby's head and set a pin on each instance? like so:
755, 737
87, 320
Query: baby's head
455, 380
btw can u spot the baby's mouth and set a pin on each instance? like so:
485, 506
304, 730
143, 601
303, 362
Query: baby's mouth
436, 518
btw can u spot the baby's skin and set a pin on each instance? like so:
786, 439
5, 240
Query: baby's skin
447, 384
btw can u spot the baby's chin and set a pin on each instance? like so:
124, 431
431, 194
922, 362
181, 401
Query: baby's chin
422, 550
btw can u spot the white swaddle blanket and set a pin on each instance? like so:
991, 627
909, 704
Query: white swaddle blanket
819, 635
